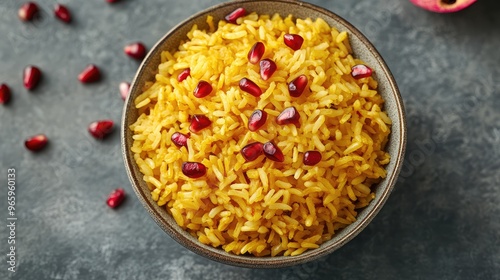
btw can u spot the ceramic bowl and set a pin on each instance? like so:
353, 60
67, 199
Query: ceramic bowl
362, 48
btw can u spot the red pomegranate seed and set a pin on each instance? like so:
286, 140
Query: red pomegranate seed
256, 52
257, 119
203, 89
312, 157
112, 1
184, 74
115, 198
179, 139
199, 122
27, 11
361, 71
4, 94
62, 13
135, 50
124, 89
273, 152
294, 41
236, 14
248, 86
252, 151
90, 74
31, 77
289, 116
297, 86
36, 143
99, 129
193, 169
267, 69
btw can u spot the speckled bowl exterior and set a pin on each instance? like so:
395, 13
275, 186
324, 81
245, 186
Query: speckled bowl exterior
362, 48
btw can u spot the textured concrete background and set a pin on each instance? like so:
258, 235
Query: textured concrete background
441, 222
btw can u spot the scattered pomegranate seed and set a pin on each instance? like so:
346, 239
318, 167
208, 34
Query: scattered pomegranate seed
99, 129
27, 11
4, 94
256, 52
273, 152
115, 198
297, 86
36, 143
31, 77
252, 151
361, 71
248, 86
294, 41
267, 69
193, 169
289, 116
236, 14
124, 89
135, 50
257, 120
203, 89
112, 1
62, 13
184, 74
90, 74
312, 157
199, 122
179, 139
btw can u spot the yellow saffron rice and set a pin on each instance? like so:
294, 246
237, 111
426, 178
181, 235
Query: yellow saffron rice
263, 207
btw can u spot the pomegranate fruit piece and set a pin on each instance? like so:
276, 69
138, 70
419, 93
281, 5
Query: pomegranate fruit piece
267, 69
257, 120
4, 94
248, 86
199, 122
297, 86
31, 77
193, 169
115, 198
443, 6
203, 89
289, 116
179, 139
273, 152
36, 143
252, 151
235, 15
312, 158
293, 41
184, 74
124, 89
135, 50
100, 129
256, 52
360, 71
90, 74
27, 11
62, 13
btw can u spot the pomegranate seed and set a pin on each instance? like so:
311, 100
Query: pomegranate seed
248, 86
297, 86
289, 116
112, 1
273, 152
202, 89
90, 74
199, 122
31, 77
257, 119
184, 74
267, 69
256, 52
124, 89
252, 151
62, 13
4, 94
193, 169
179, 139
36, 143
312, 157
361, 71
294, 41
27, 11
135, 50
99, 129
115, 198
236, 14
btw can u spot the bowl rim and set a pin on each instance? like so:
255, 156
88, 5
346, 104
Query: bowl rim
249, 261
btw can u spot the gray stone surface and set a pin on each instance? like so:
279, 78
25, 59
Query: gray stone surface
441, 222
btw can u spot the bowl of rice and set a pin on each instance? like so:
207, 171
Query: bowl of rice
263, 134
